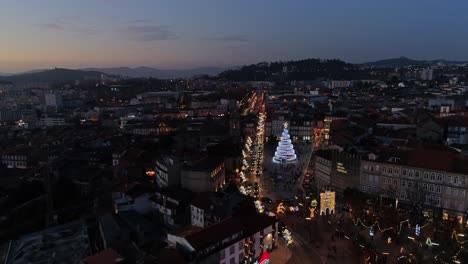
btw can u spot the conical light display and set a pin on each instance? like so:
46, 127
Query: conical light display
285, 151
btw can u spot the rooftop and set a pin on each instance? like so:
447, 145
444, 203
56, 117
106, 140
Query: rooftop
205, 164
429, 158
67, 243
215, 233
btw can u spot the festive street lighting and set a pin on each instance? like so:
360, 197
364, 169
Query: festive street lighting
285, 151
280, 209
287, 236
259, 206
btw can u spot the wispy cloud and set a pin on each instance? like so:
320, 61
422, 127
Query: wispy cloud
54, 26
138, 21
229, 38
149, 33
67, 24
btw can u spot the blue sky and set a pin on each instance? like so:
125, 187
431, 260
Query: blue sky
185, 34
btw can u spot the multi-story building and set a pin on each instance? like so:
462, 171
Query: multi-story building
457, 129
336, 170
212, 207
433, 179
232, 240
22, 157
300, 129
53, 100
171, 205
340, 84
426, 74
10, 115
167, 171
52, 120
203, 176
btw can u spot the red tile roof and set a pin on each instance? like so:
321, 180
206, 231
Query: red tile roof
215, 233
432, 159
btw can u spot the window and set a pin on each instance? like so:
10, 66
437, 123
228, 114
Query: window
241, 257
384, 169
455, 180
448, 190
416, 173
395, 182
455, 191
403, 172
411, 173
462, 193
232, 249
371, 168
390, 170
410, 184
433, 176
439, 176
396, 171
431, 188
232, 260
438, 188
426, 175
463, 180
403, 183
425, 186
437, 201
223, 254
449, 178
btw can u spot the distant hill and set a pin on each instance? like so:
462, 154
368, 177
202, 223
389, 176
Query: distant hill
404, 61
147, 72
51, 76
308, 69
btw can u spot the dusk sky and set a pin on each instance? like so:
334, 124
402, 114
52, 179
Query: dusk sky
187, 34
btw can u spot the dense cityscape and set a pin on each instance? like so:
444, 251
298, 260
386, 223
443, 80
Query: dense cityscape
213, 170
288, 161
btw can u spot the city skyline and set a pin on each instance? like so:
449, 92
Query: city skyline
181, 34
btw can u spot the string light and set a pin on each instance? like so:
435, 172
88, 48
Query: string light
454, 236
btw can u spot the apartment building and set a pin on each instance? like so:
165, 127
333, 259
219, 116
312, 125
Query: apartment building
205, 175
434, 179
336, 170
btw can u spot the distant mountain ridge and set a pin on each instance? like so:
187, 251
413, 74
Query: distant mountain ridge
51, 76
147, 72
404, 61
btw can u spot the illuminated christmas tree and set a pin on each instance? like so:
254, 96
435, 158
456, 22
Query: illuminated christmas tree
285, 151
